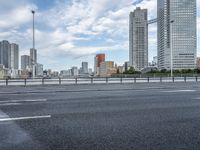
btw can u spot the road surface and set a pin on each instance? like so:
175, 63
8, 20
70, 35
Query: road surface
145, 116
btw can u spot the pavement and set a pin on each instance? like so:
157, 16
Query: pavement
148, 116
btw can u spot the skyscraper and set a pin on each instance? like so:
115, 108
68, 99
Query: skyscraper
177, 31
33, 60
138, 39
14, 56
5, 54
33, 56
25, 62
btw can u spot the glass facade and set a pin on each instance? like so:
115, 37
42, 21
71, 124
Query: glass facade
179, 35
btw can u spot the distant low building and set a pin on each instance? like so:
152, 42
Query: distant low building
120, 69
198, 63
65, 73
90, 71
4, 72
75, 71
107, 69
39, 70
99, 58
55, 74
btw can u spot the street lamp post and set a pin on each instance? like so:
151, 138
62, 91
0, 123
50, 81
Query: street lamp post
33, 59
171, 48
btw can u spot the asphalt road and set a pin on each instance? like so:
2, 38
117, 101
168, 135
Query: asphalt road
101, 117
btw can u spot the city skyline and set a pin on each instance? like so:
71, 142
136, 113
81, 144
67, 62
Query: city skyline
63, 41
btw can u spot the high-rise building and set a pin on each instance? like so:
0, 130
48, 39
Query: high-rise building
5, 54
33, 56
177, 31
138, 39
99, 58
33, 60
84, 67
25, 62
14, 56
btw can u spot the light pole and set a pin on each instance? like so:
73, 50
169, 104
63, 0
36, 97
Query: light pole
33, 59
171, 48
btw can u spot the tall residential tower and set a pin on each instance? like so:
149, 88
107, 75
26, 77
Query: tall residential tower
177, 32
14, 56
138, 39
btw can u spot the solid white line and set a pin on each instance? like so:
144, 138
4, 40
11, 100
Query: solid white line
24, 118
15, 101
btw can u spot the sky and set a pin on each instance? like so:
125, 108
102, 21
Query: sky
71, 31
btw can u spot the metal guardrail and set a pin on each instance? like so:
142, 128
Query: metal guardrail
107, 80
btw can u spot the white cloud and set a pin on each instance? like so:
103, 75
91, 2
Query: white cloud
13, 18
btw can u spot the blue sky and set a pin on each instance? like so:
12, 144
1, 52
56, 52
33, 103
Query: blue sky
71, 31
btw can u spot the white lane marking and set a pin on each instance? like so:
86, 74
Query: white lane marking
10, 104
177, 91
24, 118
15, 101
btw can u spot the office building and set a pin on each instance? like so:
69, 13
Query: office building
74, 71
107, 69
177, 31
99, 58
155, 61
33, 61
14, 56
90, 71
138, 39
126, 66
25, 62
33, 56
84, 68
39, 70
198, 63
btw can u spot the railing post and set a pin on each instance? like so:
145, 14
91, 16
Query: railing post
148, 79
185, 79
24, 82
173, 79
42, 81
91, 80
160, 79
106, 79
6, 82
60, 81
134, 79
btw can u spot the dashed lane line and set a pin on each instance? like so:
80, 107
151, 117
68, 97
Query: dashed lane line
178, 91
16, 101
24, 118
